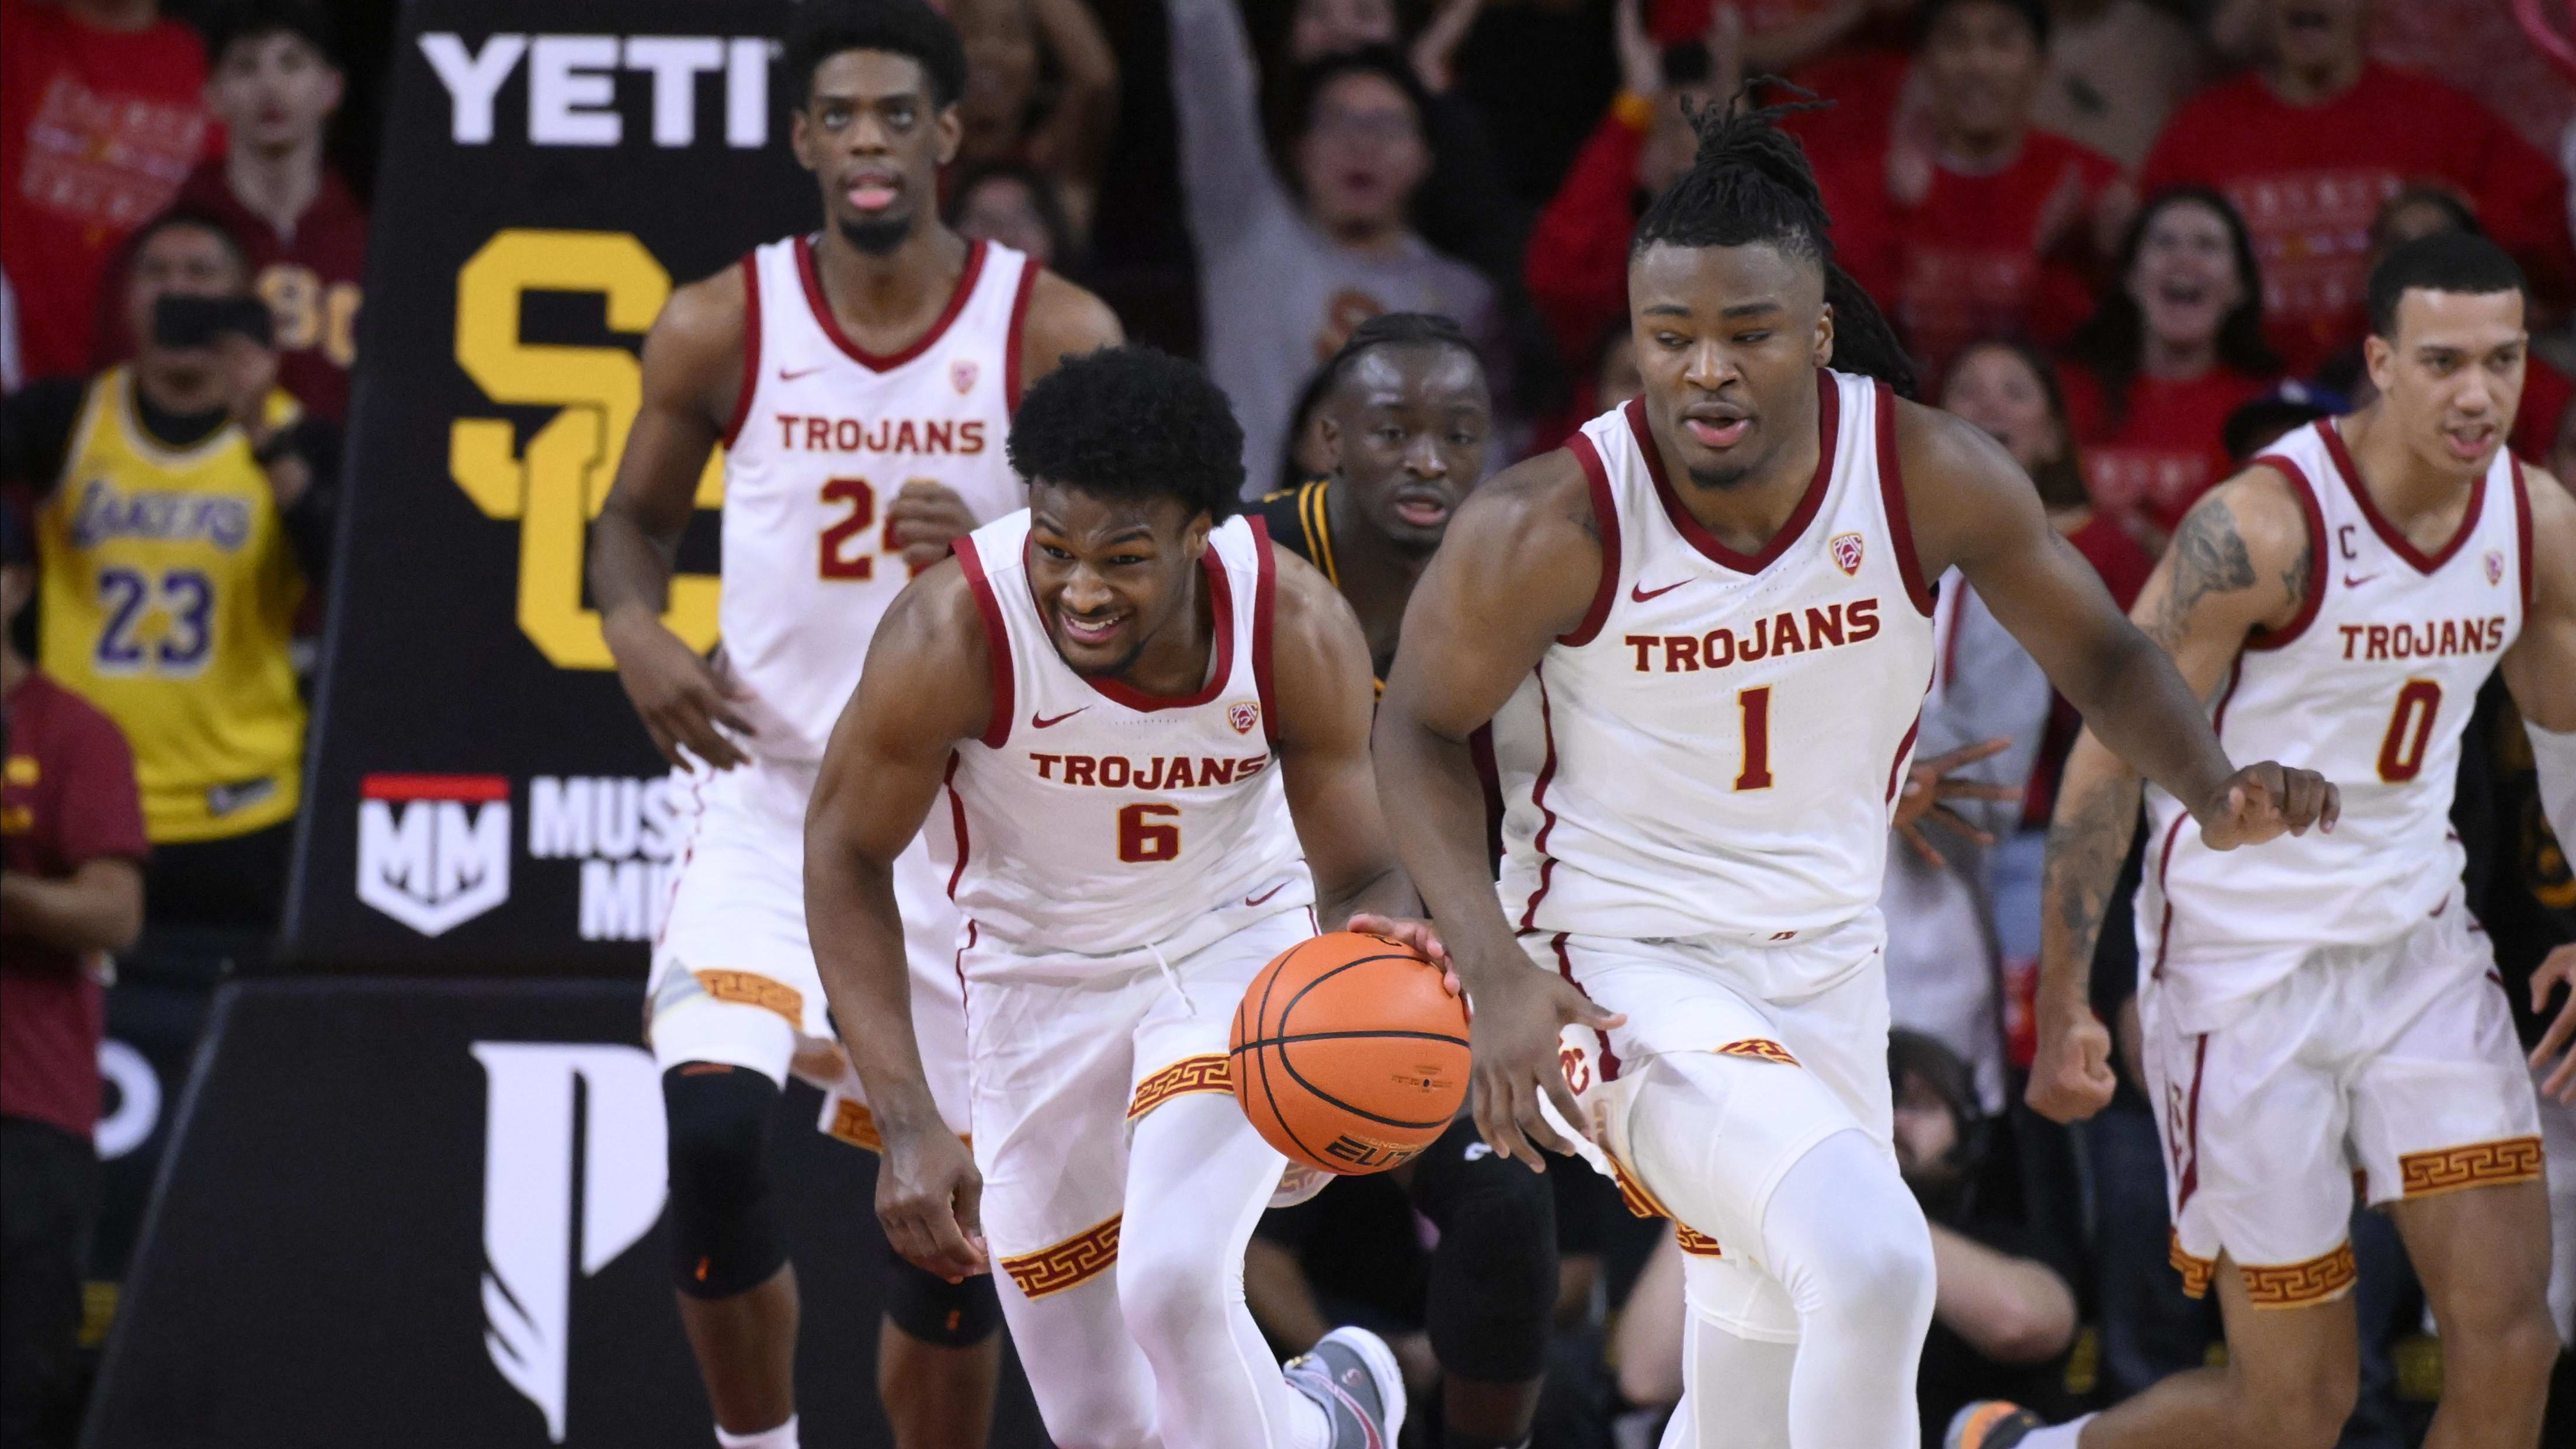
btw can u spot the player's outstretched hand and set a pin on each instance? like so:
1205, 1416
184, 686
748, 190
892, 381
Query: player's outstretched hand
2071, 1078
924, 520
930, 1199
678, 695
2261, 801
1513, 1037
2558, 970
1417, 934
1932, 783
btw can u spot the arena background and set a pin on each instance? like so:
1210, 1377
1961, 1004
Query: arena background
418, 1173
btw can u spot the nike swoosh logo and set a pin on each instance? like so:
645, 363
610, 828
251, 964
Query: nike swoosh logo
785, 376
2350, 582
1265, 895
1037, 723
1641, 593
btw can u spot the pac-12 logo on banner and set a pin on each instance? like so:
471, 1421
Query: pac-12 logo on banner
434, 850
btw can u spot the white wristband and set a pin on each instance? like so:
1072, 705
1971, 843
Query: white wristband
2555, 755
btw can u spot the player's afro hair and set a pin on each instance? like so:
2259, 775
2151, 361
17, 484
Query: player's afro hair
1132, 422
821, 29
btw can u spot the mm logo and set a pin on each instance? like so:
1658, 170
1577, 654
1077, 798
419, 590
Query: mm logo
434, 850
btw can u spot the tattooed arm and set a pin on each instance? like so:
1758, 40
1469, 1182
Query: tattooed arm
2239, 562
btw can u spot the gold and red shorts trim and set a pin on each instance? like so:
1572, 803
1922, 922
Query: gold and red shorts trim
748, 988
854, 1124
1694, 1242
2477, 1164
2196, 1272
2296, 1285
1760, 1048
1076, 1260
1189, 1074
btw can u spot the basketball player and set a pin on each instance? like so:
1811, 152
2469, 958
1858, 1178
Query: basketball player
2312, 1006
860, 379
1149, 726
1404, 415
1702, 633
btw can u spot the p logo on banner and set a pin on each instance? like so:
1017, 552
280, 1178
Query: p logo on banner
423, 859
528, 1244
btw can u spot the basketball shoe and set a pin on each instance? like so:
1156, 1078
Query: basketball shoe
1989, 1424
1353, 1375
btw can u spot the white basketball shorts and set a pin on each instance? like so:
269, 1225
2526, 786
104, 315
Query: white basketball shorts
1066, 1052
733, 976
1795, 1071
2390, 1070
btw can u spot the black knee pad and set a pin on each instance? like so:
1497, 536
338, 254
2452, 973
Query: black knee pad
930, 1308
1493, 1277
723, 1238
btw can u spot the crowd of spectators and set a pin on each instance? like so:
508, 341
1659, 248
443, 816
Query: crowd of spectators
2125, 237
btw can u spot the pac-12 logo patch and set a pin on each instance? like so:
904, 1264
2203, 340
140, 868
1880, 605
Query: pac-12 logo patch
1243, 714
961, 371
434, 850
1847, 552
2495, 565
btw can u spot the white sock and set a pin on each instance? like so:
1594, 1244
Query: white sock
2056, 1436
782, 1437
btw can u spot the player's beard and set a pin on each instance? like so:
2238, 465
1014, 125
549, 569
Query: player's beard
1723, 479
876, 238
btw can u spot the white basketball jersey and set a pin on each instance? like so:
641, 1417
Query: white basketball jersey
1096, 819
1718, 742
823, 438
2372, 686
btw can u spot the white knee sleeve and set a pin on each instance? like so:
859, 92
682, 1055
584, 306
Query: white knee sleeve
1739, 1394
1846, 1239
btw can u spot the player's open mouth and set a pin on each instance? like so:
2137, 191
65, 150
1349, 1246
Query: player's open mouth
1717, 432
2470, 442
1092, 632
1422, 510
873, 193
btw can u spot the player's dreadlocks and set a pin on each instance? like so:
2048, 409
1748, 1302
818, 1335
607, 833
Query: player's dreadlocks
1749, 183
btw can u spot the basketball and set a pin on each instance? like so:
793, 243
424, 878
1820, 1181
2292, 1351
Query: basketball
1347, 1054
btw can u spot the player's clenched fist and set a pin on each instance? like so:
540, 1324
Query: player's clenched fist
2071, 1078
2262, 801
929, 1199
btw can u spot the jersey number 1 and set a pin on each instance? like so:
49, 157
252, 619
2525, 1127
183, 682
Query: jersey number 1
1755, 706
2410, 730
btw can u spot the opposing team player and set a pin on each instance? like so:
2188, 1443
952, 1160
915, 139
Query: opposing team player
861, 380
1705, 626
1149, 726
2315, 1005
1406, 416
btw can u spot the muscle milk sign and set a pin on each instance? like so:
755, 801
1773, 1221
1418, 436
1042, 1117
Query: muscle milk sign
434, 850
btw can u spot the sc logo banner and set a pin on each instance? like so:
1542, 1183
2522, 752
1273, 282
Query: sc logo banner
556, 485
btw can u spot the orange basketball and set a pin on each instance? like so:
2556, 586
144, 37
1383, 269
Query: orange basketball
1347, 1054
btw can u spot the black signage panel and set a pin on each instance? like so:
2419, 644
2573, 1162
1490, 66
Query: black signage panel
482, 799
421, 1214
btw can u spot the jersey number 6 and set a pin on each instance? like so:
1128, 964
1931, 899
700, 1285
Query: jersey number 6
1141, 839
2410, 729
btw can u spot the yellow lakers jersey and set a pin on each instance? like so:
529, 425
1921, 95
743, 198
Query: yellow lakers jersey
169, 602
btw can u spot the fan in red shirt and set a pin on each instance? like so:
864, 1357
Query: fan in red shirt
2176, 346
1970, 224
2312, 143
71, 889
101, 115
276, 85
